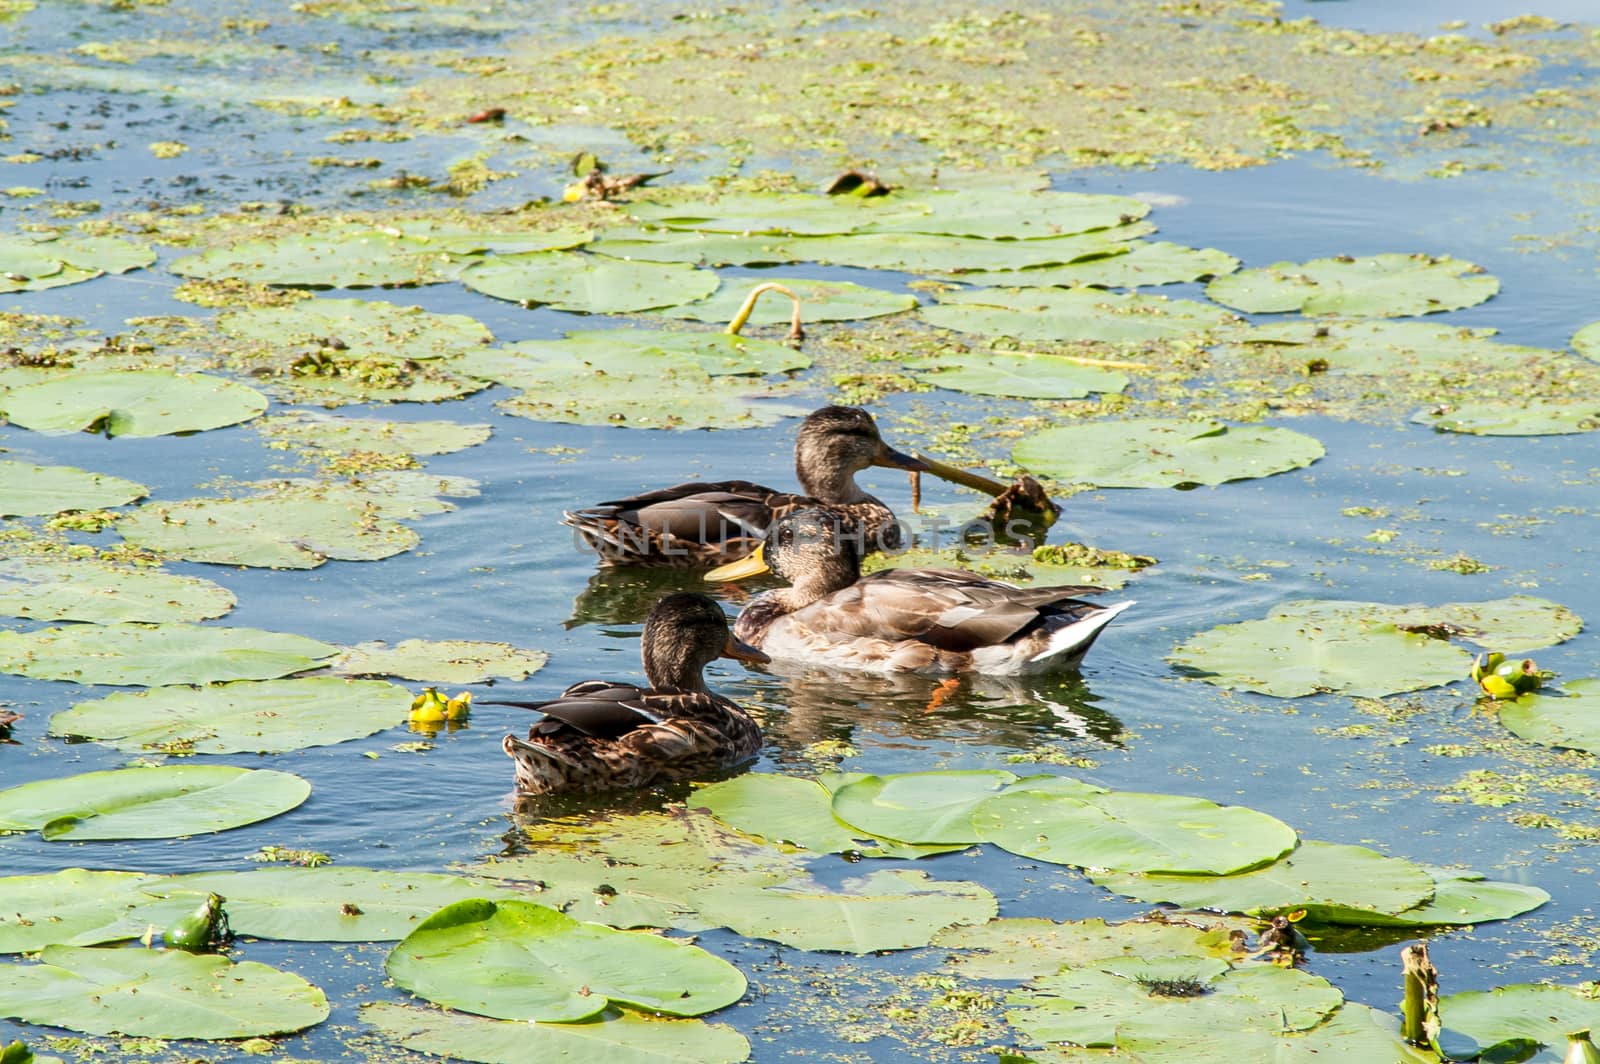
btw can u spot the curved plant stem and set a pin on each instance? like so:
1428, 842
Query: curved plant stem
795, 332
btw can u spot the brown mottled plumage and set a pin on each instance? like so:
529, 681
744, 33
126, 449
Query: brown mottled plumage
904, 620
697, 525
603, 736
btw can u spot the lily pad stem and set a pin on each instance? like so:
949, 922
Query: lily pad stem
795, 332
1419, 1014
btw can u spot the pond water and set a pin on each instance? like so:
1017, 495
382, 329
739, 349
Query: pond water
501, 567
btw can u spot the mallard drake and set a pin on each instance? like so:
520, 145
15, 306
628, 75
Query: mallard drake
605, 736
698, 525
933, 621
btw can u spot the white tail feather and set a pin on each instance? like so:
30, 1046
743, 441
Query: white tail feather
1080, 634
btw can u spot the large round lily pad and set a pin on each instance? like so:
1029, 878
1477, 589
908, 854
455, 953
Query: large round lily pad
519, 961
757, 212
1586, 341
1354, 1034
588, 284
1072, 314
1462, 897
29, 490
1381, 347
927, 253
1569, 719
28, 265
1130, 832
1026, 216
820, 301
618, 1038
1536, 1012
1164, 452
695, 248
1142, 264
151, 655
634, 351
919, 807
1334, 883
330, 432
268, 716
1381, 286
786, 809
1026, 948
73, 907
279, 530
1512, 625
165, 802
1297, 650
1530, 417
447, 661
158, 994
93, 591
1023, 376
358, 329
153, 402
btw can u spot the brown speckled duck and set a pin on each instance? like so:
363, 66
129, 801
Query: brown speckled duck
697, 525
604, 736
931, 621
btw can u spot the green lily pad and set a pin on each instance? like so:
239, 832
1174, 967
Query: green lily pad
1289, 654
518, 961
1532, 417
786, 809
1383, 347
447, 661
1586, 341
926, 253
93, 591
1539, 1012
617, 1038
1120, 999
469, 240
999, 216
1354, 1034
152, 402
1131, 832
1023, 376
330, 432
757, 212
166, 802
28, 265
1072, 314
285, 529
1164, 452
1381, 286
1332, 882
643, 352
1012, 566
1512, 625
1020, 949
588, 284
269, 716
1143, 264
820, 301
919, 807
358, 329
72, 907
1462, 897
694, 248
158, 994
1568, 720
28, 490
152, 655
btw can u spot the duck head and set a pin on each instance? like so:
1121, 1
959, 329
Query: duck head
833, 445
684, 633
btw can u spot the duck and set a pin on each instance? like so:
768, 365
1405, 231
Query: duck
603, 735
936, 622
697, 525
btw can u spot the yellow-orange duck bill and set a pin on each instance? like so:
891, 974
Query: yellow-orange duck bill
753, 564
739, 650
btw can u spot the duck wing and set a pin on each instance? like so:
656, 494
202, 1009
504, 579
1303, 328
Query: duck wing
696, 512
596, 708
946, 608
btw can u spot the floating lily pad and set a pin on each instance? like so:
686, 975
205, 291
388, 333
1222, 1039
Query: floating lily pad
518, 961
1120, 999
1531, 417
471, 240
72, 907
820, 301
1072, 314
1381, 286
1354, 1034
786, 809
1164, 452
1019, 949
1538, 1012
152, 402
618, 1038
926, 253
1131, 832
919, 807
1333, 883
1463, 897
1012, 566
28, 490
1586, 341
330, 432
358, 329
1143, 264
92, 591
158, 994
268, 716
1289, 654
450, 661
151, 655
589, 284
998, 216
1383, 347
644, 352
166, 802
1569, 720
28, 265
1023, 376
698, 249
757, 212
1512, 625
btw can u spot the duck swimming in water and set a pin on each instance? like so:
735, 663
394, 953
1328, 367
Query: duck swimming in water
931, 621
605, 736
697, 525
